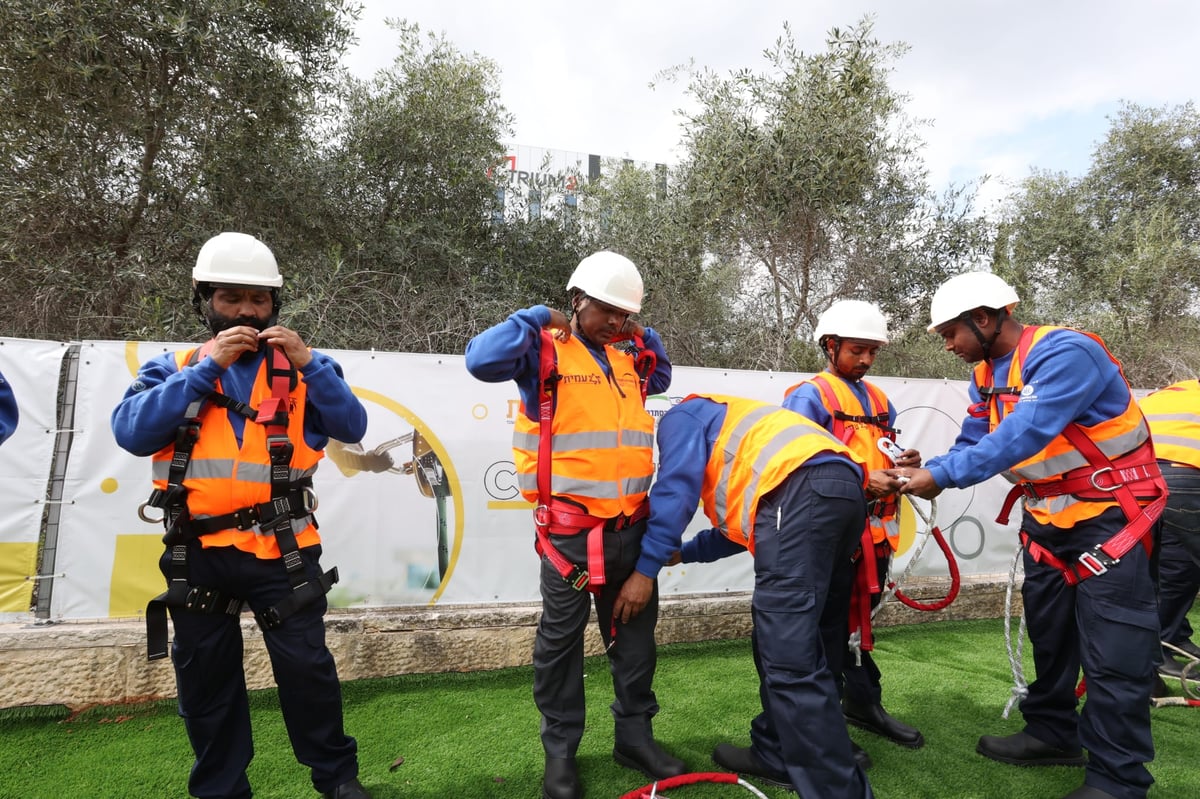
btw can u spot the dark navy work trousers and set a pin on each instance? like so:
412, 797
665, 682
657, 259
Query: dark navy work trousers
207, 654
1106, 626
558, 647
805, 532
1179, 552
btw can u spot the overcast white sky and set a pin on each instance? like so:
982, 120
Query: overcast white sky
1007, 84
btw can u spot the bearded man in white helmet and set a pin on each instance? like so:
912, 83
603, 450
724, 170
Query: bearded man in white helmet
236, 428
1051, 411
583, 449
850, 333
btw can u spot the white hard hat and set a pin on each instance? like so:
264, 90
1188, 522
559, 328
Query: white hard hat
966, 292
852, 319
609, 277
236, 259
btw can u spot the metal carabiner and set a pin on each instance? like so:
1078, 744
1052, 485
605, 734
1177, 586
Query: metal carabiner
890, 448
142, 514
310, 499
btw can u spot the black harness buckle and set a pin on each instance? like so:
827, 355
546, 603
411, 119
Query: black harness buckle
578, 578
1097, 561
268, 619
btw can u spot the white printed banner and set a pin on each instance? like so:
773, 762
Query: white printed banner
32, 370
425, 510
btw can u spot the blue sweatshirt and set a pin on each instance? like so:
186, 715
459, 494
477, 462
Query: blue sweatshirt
155, 404
8, 410
511, 351
1068, 378
686, 436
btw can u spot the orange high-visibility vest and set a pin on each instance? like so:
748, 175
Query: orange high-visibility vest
223, 477
863, 439
603, 438
1173, 414
767, 443
1114, 437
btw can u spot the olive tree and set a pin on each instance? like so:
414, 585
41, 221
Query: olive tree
808, 176
129, 132
1117, 251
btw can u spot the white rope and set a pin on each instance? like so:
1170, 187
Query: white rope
1185, 675
749, 788
889, 591
1020, 688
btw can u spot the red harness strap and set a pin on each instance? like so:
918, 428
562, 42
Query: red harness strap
562, 518
866, 585
644, 363
866, 570
556, 516
1100, 479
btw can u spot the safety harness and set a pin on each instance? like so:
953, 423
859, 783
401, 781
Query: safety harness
558, 516
289, 500
866, 573
1130, 479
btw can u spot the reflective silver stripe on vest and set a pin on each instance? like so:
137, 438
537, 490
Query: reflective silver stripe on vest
569, 442
721, 490
1073, 459
1056, 504
1175, 441
1173, 417
891, 526
764, 456
222, 469
594, 489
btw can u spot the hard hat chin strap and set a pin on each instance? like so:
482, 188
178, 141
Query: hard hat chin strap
986, 343
837, 340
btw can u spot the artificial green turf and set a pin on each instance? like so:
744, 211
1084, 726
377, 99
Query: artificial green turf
462, 736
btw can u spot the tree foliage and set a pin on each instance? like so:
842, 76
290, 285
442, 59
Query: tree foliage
405, 202
808, 176
1117, 251
131, 132
130, 126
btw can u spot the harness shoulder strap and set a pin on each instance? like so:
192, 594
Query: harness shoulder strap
273, 414
840, 431
875, 415
1006, 393
548, 378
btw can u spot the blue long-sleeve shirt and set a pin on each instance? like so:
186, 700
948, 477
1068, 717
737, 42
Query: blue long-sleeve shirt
511, 351
806, 400
686, 436
8, 410
1068, 378
155, 404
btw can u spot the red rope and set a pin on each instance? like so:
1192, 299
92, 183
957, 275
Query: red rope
682, 779
955, 581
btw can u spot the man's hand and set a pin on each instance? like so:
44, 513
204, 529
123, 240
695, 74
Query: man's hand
231, 343
631, 329
910, 458
559, 324
920, 483
883, 482
290, 342
634, 596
